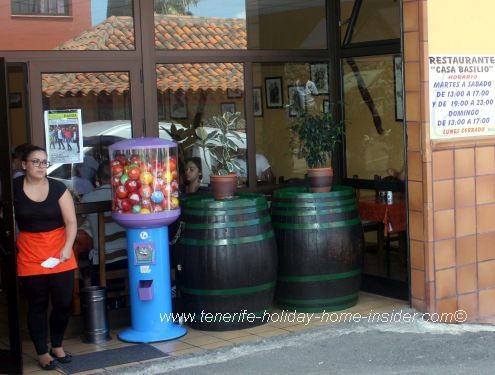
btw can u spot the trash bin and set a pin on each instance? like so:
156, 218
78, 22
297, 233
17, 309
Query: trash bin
94, 307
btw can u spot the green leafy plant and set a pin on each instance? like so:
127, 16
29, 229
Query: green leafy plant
220, 144
314, 137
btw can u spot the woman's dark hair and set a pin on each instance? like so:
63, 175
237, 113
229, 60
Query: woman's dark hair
197, 162
28, 149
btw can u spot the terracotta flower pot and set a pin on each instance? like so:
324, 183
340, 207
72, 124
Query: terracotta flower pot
320, 179
223, 187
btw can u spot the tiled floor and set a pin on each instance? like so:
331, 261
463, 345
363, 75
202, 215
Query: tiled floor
198, 341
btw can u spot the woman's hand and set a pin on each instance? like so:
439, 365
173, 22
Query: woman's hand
65, 254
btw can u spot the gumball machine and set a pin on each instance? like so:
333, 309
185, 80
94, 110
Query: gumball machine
145, 201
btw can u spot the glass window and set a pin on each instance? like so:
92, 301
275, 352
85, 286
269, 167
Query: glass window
376, 20
105, 103
282, 92
240, 24
374, 127
192, 95
87, 25
41, 7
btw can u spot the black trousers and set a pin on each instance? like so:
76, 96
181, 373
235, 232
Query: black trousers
39, 291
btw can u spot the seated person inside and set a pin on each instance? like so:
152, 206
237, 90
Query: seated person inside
264, 171
116, 242
193, 176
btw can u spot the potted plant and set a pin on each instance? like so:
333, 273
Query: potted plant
314, 136
220, 147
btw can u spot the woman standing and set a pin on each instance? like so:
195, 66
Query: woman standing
46, 218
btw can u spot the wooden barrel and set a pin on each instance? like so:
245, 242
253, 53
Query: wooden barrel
320, 245
229, 261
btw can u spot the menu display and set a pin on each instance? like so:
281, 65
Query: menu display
462, 96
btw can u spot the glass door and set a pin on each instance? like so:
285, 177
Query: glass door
10, 342
374, 157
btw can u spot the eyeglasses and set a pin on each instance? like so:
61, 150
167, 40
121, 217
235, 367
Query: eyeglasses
40, 163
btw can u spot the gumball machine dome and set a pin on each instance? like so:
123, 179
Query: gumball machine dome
145, 182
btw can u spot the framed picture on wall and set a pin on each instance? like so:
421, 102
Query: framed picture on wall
273, 92
257, 102
234, 93
319, 76
178, 105
297, 100
227, 107
399, 100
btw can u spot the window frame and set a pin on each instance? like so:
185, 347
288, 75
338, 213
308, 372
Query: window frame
37, 3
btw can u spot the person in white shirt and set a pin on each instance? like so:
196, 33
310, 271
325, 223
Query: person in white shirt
263, 169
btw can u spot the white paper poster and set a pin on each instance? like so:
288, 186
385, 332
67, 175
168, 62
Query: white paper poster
462, 96
63, 132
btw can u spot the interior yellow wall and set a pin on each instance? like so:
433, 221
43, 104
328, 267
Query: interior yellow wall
460, 27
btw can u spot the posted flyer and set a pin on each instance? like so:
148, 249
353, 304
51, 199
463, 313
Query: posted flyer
63, 132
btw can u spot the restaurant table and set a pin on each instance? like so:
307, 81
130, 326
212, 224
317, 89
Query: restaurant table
393, 218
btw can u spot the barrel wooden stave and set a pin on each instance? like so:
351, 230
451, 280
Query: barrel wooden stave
228, 278
319, 269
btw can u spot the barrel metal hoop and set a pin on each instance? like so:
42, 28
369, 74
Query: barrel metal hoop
319, 308
292, 204
246, 200
227, 241
232, 224
325, 277
335, 224
319, 301
228, 292
304, 192
314, 212
250, 210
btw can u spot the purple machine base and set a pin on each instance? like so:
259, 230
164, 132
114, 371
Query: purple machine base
152, 220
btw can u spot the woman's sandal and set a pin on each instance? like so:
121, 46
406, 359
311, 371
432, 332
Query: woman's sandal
66, 359
49, 366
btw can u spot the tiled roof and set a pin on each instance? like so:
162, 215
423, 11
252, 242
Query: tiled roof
171, 32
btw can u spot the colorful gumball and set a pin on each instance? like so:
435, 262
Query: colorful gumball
146, 203
121, 192
145, 191
117, 170
172, 164
158, 183
124, 178
136, 209
131, 185
126, 205
174, 186
115, 181
174, 203
134, 198
156, 208
145, 211
135, 159
157, 196
146, 178
134, 171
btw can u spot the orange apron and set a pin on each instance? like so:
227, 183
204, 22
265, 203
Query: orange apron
36, 247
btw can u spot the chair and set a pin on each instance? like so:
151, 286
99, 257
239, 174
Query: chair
121, 275
82, 244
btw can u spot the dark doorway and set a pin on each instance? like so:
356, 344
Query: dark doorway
10, 341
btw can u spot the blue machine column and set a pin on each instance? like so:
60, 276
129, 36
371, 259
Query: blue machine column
149, 281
